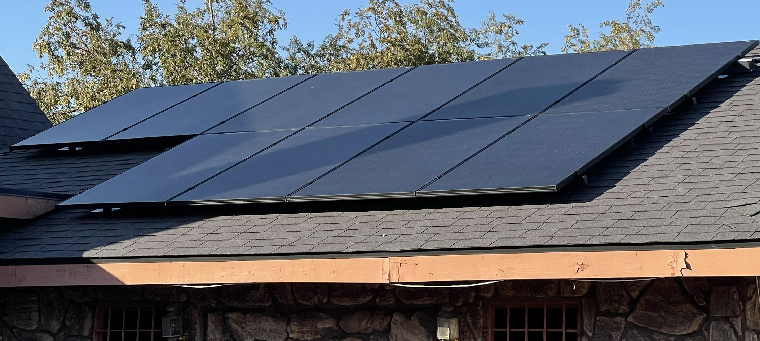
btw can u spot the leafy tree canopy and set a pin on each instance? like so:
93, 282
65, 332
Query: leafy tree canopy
636, 32
86, 60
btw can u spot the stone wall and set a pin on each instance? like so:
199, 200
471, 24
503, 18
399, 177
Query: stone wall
665, 309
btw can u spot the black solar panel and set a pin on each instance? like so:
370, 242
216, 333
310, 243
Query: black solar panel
492, 126
113, 116
528, 86
281, 169
310, 101
416, 93
210, 108
159, 179
411, 158
543, 154
654, 78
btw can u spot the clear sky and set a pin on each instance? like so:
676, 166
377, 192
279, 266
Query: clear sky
682, 21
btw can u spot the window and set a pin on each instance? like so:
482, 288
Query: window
549, 321
128, 323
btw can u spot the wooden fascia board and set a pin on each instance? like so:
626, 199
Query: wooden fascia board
408, 269
350, 270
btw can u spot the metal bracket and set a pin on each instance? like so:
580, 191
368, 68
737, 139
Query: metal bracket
750, 62
746, 64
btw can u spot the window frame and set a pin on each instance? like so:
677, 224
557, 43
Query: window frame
102, 333
539, 303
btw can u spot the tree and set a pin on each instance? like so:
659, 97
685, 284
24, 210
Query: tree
85, 60
226, 40
387, 34
636, 32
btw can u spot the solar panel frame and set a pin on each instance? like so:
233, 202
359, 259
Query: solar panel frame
95, 116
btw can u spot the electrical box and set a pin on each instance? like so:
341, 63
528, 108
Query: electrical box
448, 328
171, 326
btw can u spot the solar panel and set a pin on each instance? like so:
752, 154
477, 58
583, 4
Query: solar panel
274, 173
166, 175
482, 127
411, 158
543, 154
417, 93
210, 108
111, 117
528, 86
307, 103
654, 77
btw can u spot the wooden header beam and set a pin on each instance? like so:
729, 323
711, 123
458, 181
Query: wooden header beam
411, 269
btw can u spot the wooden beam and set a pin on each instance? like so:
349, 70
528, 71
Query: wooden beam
722, 262
411, 269
549, 265
350, 270
19, 207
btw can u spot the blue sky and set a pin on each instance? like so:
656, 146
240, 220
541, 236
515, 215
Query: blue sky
682, 21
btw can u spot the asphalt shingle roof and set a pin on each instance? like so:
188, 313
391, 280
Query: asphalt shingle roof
20, 117
694, 179
66, 172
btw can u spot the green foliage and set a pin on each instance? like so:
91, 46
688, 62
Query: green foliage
636, 32
387, 34
226, 40
85, 60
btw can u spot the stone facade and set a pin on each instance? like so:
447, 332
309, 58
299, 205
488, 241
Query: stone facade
689, 309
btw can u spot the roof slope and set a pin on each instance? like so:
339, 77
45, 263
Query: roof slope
66, 172
20, 117
693, 180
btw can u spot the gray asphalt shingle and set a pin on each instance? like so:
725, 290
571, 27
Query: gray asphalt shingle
20, 117
693, 180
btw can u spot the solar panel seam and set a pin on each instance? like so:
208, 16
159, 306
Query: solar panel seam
151, 116
260, 103
404, 127
289, 135
531, 118
360, 97
323, 117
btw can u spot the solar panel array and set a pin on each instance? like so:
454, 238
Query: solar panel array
510, 125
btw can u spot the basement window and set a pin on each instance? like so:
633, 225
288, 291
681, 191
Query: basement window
134, 323
549, 321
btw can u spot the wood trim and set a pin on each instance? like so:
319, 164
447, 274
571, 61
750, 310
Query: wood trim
19, 207
411, 269
352, 270
549, 265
